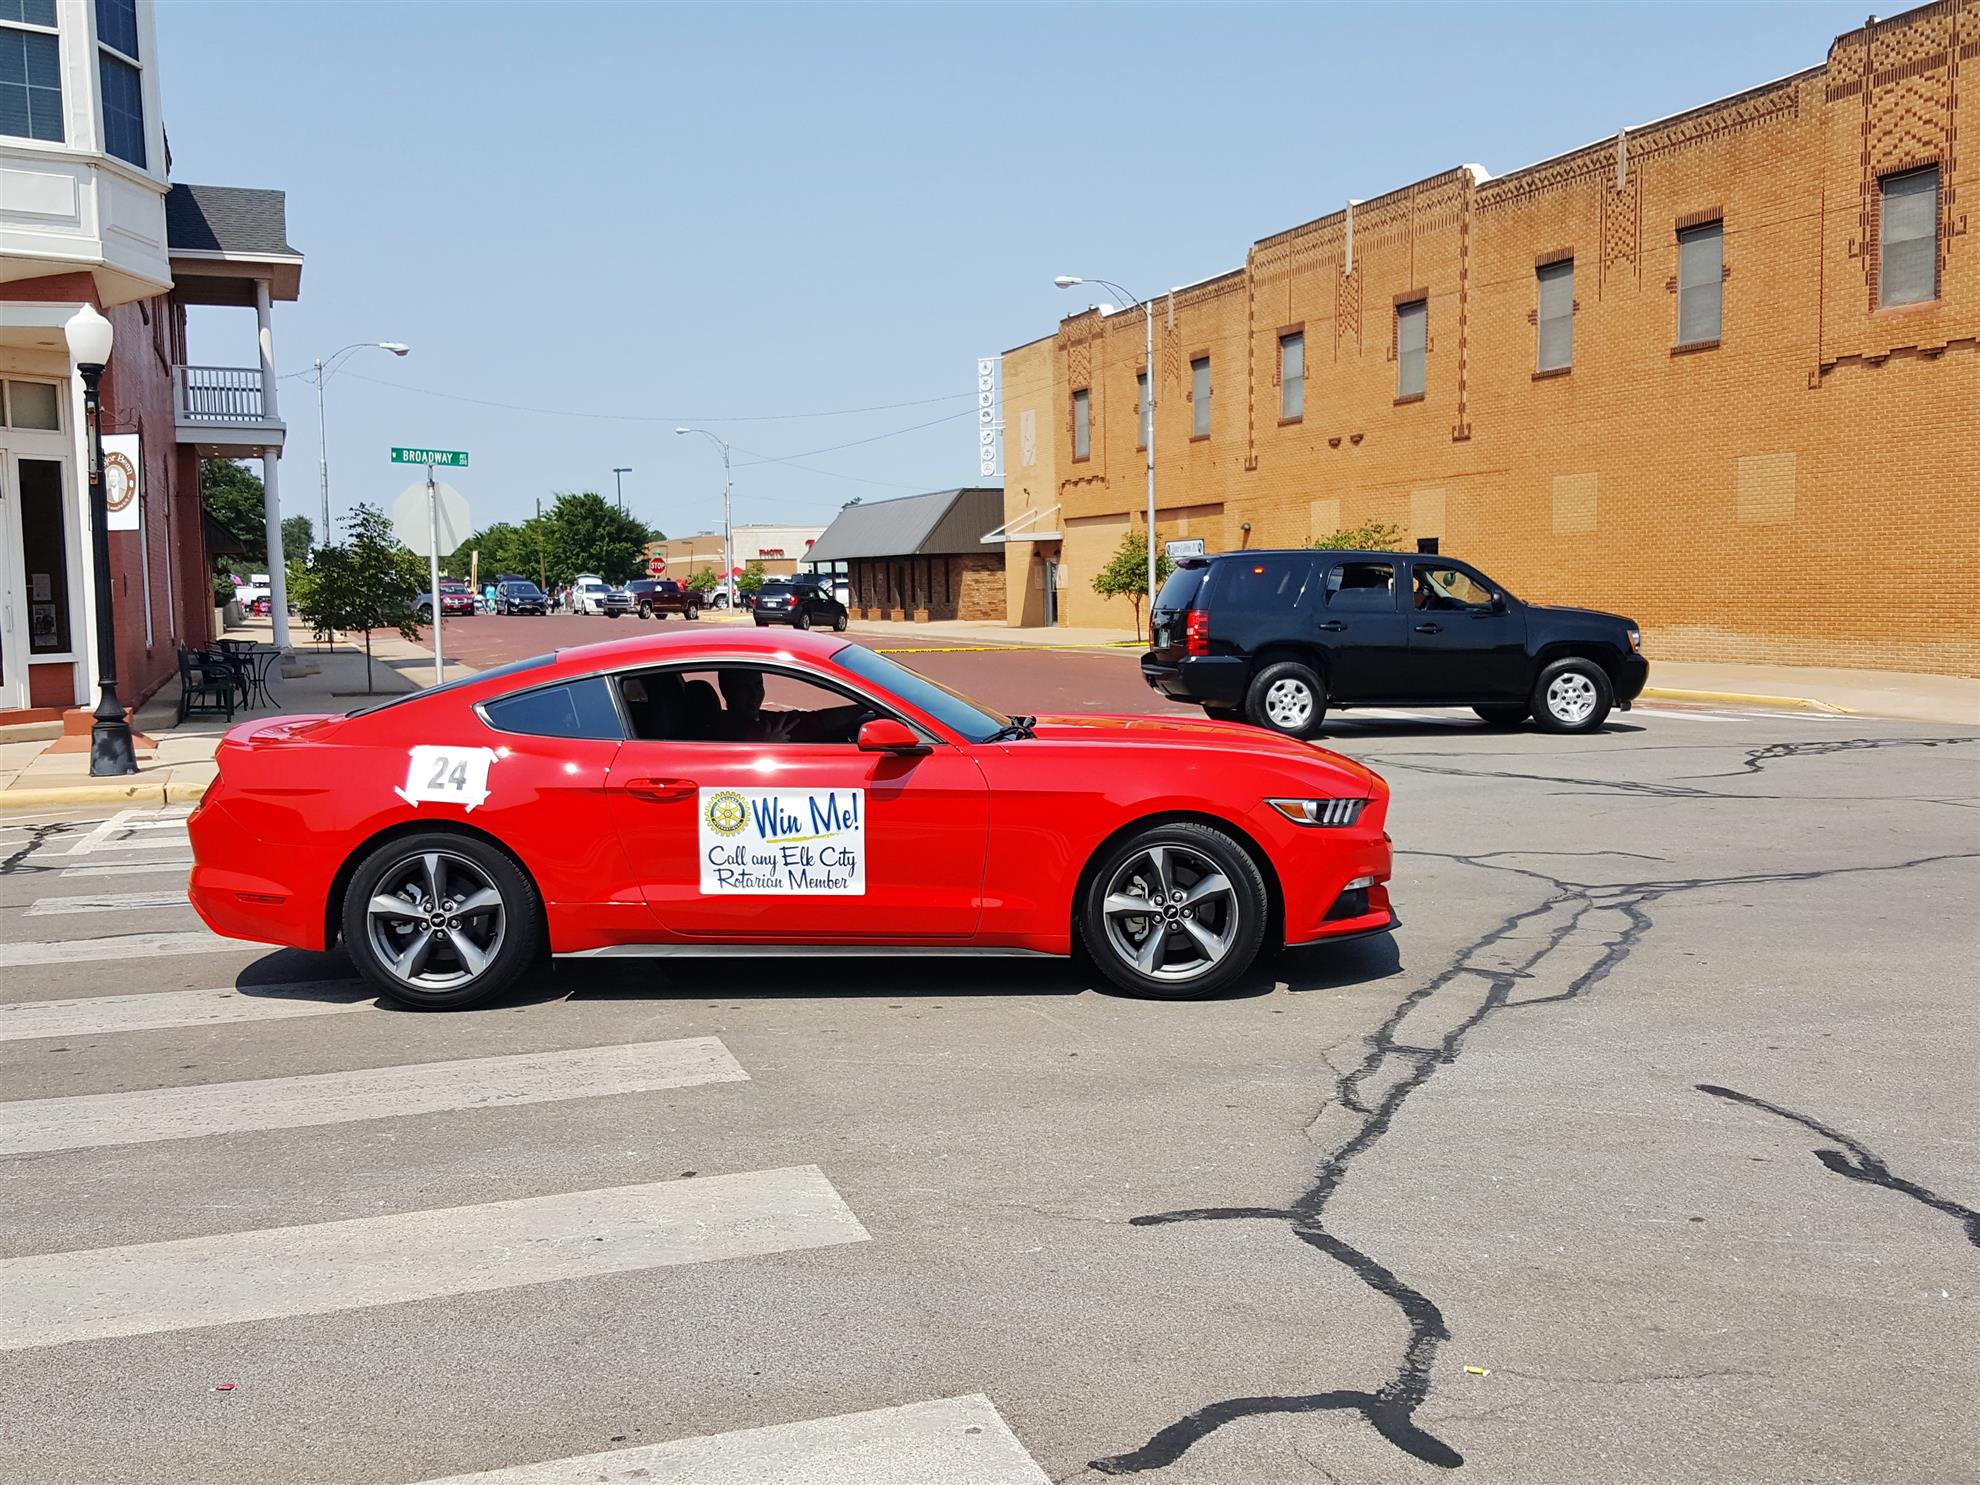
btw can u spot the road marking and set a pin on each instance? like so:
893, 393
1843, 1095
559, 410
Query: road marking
52, 1299
124, 946
105, 902
104, 837
127, 868
957, 1441
91, 1120
102, 1015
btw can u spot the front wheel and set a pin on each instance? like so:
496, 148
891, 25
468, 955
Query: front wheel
425, 614
1504, 716
691, 612
839, 622
1174, 912
1287, 697
438, 921
1572, 695
646, 610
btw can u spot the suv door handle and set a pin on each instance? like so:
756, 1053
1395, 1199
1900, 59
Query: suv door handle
660, 791
1429, 628
1332, 626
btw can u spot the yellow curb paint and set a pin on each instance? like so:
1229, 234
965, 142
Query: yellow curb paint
1740, 698
143, 794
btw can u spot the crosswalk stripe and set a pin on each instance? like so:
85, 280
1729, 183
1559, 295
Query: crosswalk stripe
957, 1441
127, 868
53, 1299
105, 836
105, 902
90, 1120
99, 1015
123, 946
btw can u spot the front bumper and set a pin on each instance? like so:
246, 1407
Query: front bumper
1631, 677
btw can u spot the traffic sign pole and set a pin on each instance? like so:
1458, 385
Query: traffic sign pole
433, 571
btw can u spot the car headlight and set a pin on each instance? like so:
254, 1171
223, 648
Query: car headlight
1324, 812
1635, 639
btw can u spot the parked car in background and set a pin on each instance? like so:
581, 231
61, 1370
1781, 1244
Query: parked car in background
799, 602
593, 595
1278, 637
520, 596
652, 596
455, 599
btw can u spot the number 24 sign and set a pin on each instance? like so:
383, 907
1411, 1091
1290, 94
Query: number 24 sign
444, 775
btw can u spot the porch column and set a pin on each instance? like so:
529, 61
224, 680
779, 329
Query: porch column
271, 458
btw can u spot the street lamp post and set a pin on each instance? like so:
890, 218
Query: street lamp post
728, 529
1066, 281
618, 483
111, 750
397, 348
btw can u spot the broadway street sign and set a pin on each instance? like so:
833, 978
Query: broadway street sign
456, 458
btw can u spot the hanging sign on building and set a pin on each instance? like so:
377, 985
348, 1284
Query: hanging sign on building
989, 422
123, 485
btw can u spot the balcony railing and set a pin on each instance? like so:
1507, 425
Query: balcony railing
219, 394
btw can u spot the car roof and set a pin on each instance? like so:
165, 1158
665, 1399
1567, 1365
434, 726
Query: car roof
732, 641
1305, 552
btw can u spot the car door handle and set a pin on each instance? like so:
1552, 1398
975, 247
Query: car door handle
1332, 626
1429, 628
661, 791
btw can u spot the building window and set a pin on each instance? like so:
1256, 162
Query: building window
1701, 264
31, 405
1908, 237
1199, 397
1556, 349
44, 556
117, 65
1141, 409
1082, 424
30, 71
1412, 342
1292, 377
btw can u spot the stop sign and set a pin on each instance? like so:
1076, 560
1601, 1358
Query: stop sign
656, 565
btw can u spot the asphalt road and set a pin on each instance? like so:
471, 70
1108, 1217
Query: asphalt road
1643, 1153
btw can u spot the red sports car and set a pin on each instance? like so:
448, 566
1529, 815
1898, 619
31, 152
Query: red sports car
775, 793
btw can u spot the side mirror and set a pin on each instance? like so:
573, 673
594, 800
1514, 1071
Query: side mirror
885, 735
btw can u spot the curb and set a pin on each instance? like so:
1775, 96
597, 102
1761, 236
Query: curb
1740, 698
145, 794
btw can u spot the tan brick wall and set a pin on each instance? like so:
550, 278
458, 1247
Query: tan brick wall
1697, 491
979, 587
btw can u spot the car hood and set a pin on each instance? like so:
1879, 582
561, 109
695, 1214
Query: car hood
1187, 734
1592, 615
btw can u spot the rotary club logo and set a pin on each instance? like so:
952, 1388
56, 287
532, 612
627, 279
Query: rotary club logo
727, 814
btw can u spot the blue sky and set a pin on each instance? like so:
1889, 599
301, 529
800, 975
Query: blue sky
670, 213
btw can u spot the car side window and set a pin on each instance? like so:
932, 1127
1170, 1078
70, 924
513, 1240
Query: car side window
581, 708
1362, 587
1448, 588
739, 704
1269, 585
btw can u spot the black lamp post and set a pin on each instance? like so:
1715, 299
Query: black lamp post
110, 748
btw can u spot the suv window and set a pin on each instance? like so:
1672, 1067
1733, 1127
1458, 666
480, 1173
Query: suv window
1181, 588
1448, 588
1264, 584
1362, 587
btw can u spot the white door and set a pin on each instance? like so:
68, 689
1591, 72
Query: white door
13, 613
40, 574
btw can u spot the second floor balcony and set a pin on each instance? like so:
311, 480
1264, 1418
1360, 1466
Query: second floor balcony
221, 410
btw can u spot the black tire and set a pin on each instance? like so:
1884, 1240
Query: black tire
691, 612
1274, 700
1572, 695
464, 858
839, 622
1191, 854
801, 619
1510, 715
646, 610
762, 623
426, 613
1224, 713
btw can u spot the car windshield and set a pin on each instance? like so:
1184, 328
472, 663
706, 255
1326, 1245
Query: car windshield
952, 709
524, 590
514, 667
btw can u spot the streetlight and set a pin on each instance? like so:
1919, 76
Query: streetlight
110, 747
1066, 281
618, 484
728, 532
397, 348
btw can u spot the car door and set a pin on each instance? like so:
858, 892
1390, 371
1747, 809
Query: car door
1467, 640
1358, 623
766, 822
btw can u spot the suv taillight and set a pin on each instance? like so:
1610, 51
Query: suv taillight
1197, 631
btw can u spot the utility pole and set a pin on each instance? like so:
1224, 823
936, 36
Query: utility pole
617, 471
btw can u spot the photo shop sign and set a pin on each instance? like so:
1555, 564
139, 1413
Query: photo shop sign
803, 842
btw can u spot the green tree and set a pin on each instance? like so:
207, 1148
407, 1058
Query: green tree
1369, 536
298, 536
585, 532
1126, 572
703, 579
232, 495
366, 583
751, 581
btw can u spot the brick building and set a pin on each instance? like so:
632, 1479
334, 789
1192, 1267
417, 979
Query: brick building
1720, 372
919, 557
779, 548
88, 216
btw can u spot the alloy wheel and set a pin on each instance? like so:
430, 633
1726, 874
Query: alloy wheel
435, 920
1289, 703
1171, 913
1571, 697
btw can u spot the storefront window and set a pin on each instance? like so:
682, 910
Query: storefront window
44, 556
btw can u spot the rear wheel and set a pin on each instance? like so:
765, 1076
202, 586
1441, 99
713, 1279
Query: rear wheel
1504, 716
1287, 697
438, 920
803, 619
1572, 695
646, 610
839, 622
692, 611
1174, 912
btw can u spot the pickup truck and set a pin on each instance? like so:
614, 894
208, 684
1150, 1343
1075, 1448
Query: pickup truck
652, 596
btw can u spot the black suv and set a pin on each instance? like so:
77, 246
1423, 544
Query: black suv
652, 596
799, 603
1276, 638
520, 596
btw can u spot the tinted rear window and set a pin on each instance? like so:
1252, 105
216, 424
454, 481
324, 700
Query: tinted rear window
1263, 584
581, 708
1180, 591
1367, 587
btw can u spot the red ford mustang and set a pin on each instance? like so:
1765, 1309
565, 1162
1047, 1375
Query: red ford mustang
777, 793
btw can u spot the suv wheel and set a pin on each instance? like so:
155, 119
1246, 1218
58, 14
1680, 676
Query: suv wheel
1572, 696
1287, 697
1174, 911
803, 619
438, 920
692, 611
1505, 716
646, 610
839, 621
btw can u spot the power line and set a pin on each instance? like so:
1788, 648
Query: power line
565, 412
